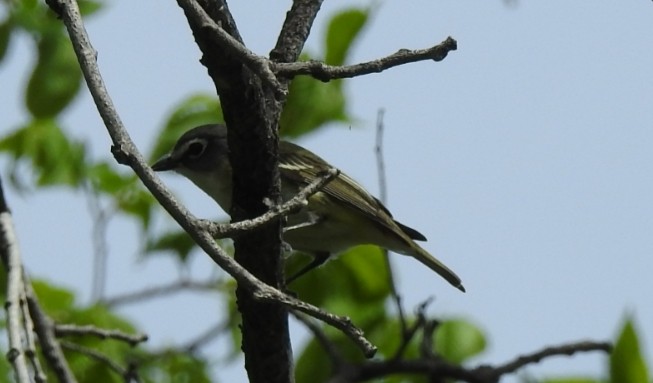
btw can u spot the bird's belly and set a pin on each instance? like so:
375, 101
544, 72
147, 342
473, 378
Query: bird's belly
322, 236
334, 228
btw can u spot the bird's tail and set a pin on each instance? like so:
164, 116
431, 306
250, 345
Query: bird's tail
432, 263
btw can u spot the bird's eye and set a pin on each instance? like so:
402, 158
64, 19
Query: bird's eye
195, 149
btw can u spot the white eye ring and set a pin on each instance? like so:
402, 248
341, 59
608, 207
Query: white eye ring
195, 148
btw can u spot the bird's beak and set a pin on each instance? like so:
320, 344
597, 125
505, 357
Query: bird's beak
164, 163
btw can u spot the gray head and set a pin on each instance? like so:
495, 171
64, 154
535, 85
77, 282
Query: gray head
201, 155
199, 149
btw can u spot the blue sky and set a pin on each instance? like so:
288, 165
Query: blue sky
525, 157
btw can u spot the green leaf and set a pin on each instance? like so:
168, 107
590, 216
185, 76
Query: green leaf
359, 276
138, 202
56, 78
6, 27
55, 159
198, 109
29, 4
6, 372
178, 242
368, 271
175, 367
311, 104
89, 7
343, 29
126, 190
35, 17
626, 362
56, 301
313, 365
106, 179
168, 366
458, 340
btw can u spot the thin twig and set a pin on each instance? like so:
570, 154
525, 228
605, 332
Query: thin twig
337, 360
324, 72
341, 323
100, 218
98, 356
126, 152
63, 330
564, 349
192, 345
383, 194
411, 331
220, 230
163, 290
206, 337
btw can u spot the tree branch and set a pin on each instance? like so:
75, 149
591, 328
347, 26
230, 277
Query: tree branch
125, 373
12, 263
383, 196
30, 348
156, 291
64, 330
341, 323
326, 73
300, 200
564, 349
295, 30
438, 367
44, 328
336, 358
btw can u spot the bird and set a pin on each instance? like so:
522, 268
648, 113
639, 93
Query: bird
339, 216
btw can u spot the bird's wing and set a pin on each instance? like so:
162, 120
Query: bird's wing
306, 167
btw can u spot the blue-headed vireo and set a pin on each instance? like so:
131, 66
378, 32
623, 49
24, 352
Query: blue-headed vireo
341, 215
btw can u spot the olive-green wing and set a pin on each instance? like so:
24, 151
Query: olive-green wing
306, 167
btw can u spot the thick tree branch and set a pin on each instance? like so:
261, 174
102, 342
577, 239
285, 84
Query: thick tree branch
251, 110
295, 30
11, 261
324, 72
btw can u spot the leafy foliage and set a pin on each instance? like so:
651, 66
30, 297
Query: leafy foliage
56, 78
55, 159
153, 365
458, 340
